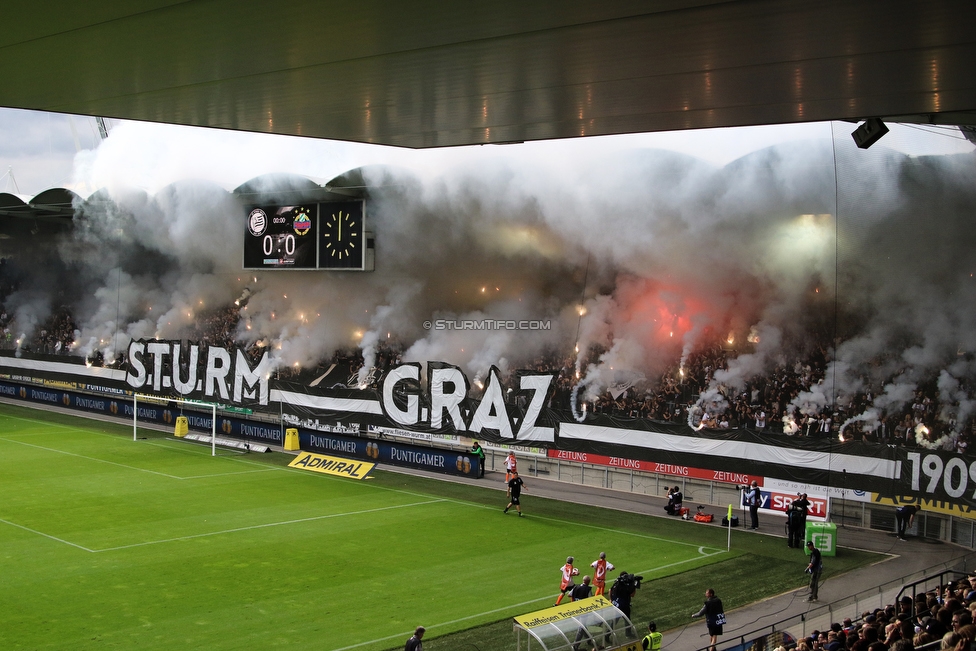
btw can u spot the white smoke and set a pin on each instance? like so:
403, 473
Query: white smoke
662, 252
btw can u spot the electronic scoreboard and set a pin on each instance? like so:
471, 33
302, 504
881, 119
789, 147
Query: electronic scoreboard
308, 236
280, 237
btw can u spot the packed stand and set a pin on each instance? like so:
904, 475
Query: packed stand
675, 396
940, 619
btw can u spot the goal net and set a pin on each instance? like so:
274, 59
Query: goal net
143, 404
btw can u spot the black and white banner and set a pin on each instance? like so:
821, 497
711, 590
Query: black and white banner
436, 400
443, 405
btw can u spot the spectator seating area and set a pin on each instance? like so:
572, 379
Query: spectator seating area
672, 396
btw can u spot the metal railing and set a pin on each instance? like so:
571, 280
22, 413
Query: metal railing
879, 596
937, 582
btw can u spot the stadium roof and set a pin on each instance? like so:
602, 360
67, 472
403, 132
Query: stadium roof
421, 73
60, 204
55, 203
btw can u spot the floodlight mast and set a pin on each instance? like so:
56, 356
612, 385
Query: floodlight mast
151, 398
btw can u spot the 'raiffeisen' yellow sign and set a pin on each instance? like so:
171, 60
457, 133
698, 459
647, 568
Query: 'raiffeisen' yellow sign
332, 465
559, 613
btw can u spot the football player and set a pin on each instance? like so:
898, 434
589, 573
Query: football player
566, 584
600, 567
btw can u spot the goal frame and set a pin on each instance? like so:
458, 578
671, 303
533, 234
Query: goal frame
147, 397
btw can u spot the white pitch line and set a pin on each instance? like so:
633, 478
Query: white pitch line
122, 465
226, 474
45, 535
264, 526
455, 621
172, 448
599, 528
687, 560
377, 640
216, 533
548, 597
81, 456
485, 506
46, 424
540, 517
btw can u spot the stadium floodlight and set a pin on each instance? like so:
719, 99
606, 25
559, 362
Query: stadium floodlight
164, 401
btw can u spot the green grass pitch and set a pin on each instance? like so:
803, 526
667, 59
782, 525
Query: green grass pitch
106, 542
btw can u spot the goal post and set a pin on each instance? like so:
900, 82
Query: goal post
164, 401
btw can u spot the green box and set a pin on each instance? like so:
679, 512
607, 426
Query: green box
824, 537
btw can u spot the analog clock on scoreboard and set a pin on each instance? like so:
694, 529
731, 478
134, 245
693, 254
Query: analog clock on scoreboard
280, 237
342, 236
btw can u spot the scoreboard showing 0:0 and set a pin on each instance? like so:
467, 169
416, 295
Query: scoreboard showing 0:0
309, 236
280, 237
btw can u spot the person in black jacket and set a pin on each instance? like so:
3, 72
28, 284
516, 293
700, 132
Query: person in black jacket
621, 593
905, 518
582, 591
675, 498
714, 617
814, 569
796, 520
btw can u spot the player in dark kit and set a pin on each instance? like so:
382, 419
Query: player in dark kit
515, 485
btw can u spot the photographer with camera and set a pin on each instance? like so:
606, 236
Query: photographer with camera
673, 507
622, 591
714, 617
753, 499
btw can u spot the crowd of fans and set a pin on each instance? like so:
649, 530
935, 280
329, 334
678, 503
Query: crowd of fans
54, 336
765, 404
6, 336
941, 618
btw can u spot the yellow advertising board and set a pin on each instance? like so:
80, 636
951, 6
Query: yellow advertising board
59, 384
565, 611
932, 506
594, 618
332, 465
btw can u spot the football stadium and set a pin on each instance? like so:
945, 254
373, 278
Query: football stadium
523, 341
